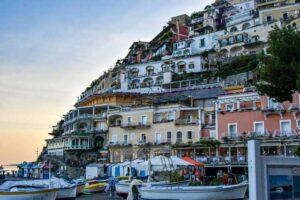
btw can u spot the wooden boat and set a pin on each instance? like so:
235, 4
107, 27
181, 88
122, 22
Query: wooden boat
28, 194
220, 192
80, 188
98, 187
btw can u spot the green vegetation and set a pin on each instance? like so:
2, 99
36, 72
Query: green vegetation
279, 75
210, 143
240, 64
157, 57
175, 177
297, 152
166, 36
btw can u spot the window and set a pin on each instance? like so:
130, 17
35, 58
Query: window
191, 66
202, 42
157, 138
272, 103
169, 137
143, 137
258, 128
285, 15
212, 134
189, 118
114, 138
231, 40
125, 139
190, 135
179, 137
269, 18
298, 123
285, 127
171, 115
224, 42
129, 120
144, 120
232, 130
240, 38
229, 107
157, 117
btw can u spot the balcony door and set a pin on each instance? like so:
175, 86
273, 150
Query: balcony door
232, 130
144, 120
158, 138
259, 128
285, 127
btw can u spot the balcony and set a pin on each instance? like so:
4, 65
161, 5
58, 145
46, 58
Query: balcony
139, 125
222, 160
163, 121
182, 52
85, 116
99, 130
100, 116
271, 110
238, 18
78, 147
179, 122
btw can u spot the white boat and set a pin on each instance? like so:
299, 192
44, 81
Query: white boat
221, 192
65, 189
123, 187
16, 193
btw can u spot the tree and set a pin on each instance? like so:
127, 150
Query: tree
280, 68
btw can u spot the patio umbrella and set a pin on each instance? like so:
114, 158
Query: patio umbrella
192, 162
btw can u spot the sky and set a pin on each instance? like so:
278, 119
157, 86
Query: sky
50, 51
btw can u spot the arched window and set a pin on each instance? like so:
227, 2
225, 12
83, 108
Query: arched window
179, 137
233, 29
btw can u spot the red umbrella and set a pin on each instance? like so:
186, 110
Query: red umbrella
195, 163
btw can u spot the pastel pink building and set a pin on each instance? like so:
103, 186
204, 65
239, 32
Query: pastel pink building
248, 114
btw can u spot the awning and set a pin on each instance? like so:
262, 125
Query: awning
195, 163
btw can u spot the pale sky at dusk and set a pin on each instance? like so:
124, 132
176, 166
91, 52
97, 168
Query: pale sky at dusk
51, 50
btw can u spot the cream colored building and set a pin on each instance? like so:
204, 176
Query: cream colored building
282, 12
147, 131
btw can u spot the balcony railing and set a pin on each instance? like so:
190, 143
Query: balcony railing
162, 121
136, 125
186, 122
99, 130
83, 116
221, 160
101, 116
76, 147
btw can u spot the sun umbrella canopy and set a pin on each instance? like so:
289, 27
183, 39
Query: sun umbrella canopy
195, 163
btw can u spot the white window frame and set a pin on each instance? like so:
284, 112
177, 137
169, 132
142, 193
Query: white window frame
236, 129
212, 134
129, 117
125, 141
142, 116
171, 115
285, 120
297, 121
229, 104
114, 138
259, 122
156, 138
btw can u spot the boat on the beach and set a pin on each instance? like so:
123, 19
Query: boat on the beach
28, 193
123, 187
66, 190
219, 192
97, 187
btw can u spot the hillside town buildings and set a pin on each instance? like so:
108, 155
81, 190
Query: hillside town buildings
167, 97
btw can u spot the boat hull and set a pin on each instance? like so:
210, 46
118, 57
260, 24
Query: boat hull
80, 189
194, 193
122, 188
95, 188
67, 193
49, 194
